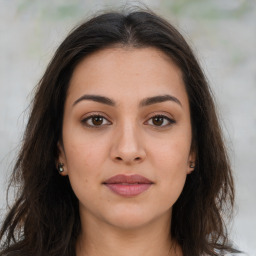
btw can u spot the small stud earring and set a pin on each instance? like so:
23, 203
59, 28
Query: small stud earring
60, 167
191, 165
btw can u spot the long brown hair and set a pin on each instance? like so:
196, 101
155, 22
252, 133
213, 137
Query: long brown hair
44, 220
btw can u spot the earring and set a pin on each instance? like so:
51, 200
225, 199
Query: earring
191, 165
60, 167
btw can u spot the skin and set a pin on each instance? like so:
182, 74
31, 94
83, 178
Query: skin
128, 141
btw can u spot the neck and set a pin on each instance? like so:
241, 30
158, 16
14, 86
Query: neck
101, 239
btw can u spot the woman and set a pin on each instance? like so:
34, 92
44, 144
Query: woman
123, 153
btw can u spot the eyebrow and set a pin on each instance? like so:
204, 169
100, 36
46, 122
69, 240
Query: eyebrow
159, 99
145, 102
97, 98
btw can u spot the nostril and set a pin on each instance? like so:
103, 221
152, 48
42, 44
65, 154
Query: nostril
121, 159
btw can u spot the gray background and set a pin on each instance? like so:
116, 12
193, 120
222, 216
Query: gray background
222, 34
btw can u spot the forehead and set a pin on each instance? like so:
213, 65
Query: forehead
127, 72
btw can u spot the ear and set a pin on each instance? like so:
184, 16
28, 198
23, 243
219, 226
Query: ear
61, 159
191, 162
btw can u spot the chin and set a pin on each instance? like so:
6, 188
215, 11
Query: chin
131, 218
129, 222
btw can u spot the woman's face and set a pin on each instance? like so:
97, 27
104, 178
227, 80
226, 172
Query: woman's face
126, 136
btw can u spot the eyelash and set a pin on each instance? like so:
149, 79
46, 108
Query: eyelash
85, 120
90, 117
169, 120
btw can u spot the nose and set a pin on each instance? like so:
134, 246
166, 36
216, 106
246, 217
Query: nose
127, 146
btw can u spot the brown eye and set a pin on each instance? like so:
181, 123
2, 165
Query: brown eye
160, 121
95, 121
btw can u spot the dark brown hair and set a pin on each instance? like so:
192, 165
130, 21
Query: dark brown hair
44, 220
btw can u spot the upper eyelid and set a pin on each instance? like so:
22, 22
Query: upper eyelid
88, 116
171, 120
161, 113
92, 114
85, 120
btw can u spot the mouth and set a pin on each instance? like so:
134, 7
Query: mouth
128, 185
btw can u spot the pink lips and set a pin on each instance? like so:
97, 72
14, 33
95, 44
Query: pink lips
128, 186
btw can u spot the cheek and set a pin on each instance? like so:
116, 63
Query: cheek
84, 151
171, 154
84, 163
171, 162
84, 159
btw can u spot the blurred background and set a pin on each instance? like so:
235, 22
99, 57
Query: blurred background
223, 36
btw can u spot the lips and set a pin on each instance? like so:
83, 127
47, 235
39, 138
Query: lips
128, 185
